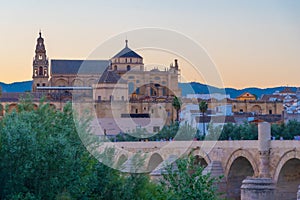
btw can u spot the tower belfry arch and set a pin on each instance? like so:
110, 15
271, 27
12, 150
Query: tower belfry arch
40, 65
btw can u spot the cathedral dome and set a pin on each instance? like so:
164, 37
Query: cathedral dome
127, 53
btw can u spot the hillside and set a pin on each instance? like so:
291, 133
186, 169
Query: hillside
187, 88
16, 87
199, 88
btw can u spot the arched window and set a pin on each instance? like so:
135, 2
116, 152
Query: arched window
164, 92
130, 87
41, 71
111, 98
115, 67
122, 98
128, 67
152, 92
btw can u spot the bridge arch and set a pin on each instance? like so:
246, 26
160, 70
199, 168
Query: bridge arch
154, 161
287, 175
121, 160
283, 159
12, 107
240, 165
201, 157
35, 106
51, 105
241, 153
288, 180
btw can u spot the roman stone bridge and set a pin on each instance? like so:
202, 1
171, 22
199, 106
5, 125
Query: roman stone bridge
235, 160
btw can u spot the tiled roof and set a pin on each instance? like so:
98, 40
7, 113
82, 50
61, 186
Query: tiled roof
127, 52
114, 126
268, 118
78, 66
246, 94
215, 119
287, 90
110, 77
272, 97
16, 96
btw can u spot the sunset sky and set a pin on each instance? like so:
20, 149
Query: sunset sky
254, 43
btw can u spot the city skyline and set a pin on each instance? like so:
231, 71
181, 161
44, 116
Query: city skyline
253, 43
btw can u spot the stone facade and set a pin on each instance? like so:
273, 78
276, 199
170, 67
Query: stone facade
258, 107
132, 85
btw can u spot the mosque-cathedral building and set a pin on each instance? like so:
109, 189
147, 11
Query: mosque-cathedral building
122, 80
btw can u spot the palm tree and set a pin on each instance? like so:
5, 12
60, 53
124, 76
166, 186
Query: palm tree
203, 106
177, 105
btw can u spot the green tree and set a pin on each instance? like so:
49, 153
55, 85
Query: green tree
249, 132
185, 132
203, 106
176, 103
41, 154
278, 130
185, 180
42, 157
214, 132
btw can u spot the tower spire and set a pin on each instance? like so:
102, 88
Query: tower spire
126, 42
40, 65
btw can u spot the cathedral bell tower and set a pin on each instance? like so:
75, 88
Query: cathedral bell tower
40, 65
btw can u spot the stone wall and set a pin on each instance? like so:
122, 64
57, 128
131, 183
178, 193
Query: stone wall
238, 159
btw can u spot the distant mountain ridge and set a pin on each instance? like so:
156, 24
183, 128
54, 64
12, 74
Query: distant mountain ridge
199, 88
16, 86
187, 88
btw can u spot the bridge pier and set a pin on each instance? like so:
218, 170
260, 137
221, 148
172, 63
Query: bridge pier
216, 170
262, 187
257, 189
298, 193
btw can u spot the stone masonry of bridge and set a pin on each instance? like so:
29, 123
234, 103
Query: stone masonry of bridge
235, 160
